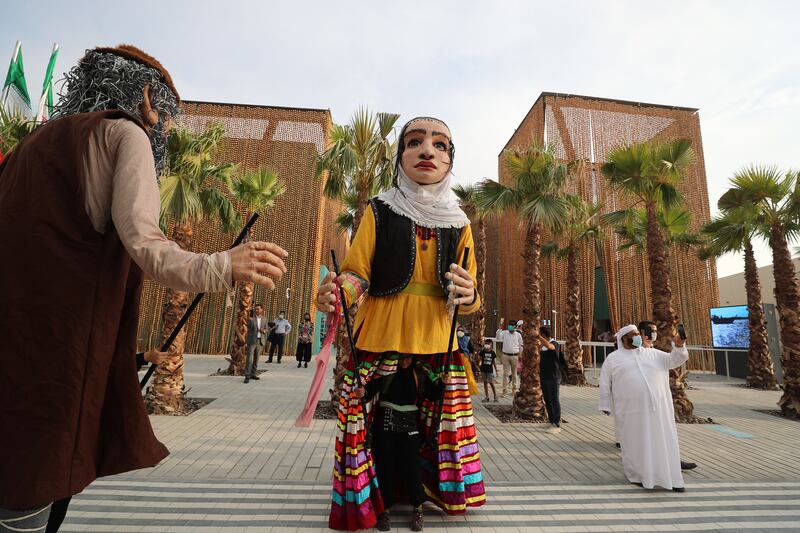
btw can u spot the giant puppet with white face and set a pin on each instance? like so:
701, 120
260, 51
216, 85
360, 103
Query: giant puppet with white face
406, 257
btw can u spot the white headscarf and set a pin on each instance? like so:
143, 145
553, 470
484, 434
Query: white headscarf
622, 332
429, 206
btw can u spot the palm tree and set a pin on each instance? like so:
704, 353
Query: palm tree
467, 194
359, 159
358, 164
776, 197
535, 194
733, 231
649, 173
257, 191
579, 228
188, 195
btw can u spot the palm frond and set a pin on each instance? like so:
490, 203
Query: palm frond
621, 216
549, 248
179, 199
216, 205
345, 221
258, 189
494, 198
547, 210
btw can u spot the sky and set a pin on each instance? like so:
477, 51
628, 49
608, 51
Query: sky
478, 65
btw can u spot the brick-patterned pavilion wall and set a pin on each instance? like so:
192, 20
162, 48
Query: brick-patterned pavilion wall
302, 221
588, 128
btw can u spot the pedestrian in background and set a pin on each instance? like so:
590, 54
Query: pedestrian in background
550, 365
282, 328
305, 336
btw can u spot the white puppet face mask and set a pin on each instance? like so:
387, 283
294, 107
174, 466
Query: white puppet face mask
427, 151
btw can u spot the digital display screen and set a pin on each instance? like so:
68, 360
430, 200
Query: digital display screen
729, 327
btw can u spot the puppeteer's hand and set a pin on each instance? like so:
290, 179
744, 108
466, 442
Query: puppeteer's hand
326, 295
155, 356
678, 341
463, 285
258, 262
359, 392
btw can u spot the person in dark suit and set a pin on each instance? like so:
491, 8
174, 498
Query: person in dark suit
256, 340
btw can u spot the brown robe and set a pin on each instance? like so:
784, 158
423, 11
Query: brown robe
70, 405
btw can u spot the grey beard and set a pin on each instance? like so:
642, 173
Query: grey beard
158, 144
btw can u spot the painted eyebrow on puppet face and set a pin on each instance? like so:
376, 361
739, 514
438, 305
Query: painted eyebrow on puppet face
424, 131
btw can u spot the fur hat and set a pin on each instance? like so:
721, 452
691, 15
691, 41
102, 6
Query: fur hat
133, 53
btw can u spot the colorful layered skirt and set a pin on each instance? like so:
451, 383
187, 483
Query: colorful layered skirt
451, 466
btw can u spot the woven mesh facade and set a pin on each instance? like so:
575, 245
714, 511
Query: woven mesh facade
588, 128
286, 140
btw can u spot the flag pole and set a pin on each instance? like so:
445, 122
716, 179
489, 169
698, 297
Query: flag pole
47, 87
6, 88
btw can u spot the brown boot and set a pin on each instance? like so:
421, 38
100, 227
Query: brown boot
416, 519
384, 524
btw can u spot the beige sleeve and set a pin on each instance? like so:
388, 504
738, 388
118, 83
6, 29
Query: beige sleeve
134, 210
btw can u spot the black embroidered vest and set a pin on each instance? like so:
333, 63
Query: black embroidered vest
396, 251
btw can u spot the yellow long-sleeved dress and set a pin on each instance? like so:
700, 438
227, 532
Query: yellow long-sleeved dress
413, 321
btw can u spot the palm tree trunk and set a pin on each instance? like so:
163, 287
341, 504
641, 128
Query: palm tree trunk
166, 394
479, 318
663, 314
244, 301
760, 372
529, 401
363, 194
787, 298
573, 351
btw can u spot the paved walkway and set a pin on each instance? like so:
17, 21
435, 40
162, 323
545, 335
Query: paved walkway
238, 464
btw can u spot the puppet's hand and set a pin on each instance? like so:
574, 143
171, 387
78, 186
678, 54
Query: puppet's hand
258, 262
462, 290
326, 295
156, 357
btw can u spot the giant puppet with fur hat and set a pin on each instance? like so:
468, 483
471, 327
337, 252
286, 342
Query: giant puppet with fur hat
406, 256
79, 210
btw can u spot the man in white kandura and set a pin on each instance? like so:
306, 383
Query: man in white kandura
634, 385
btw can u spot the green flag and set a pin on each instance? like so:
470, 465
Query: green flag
15, 98
46, 101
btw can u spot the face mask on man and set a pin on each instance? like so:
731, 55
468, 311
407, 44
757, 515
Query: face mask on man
653, 336
636, 340
510, 328
280, 316
460, 333
487, 347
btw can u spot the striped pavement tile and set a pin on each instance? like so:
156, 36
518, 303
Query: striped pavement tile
179, 505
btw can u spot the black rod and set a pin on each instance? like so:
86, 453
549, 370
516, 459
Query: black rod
347, 320
185, 318
446, 369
